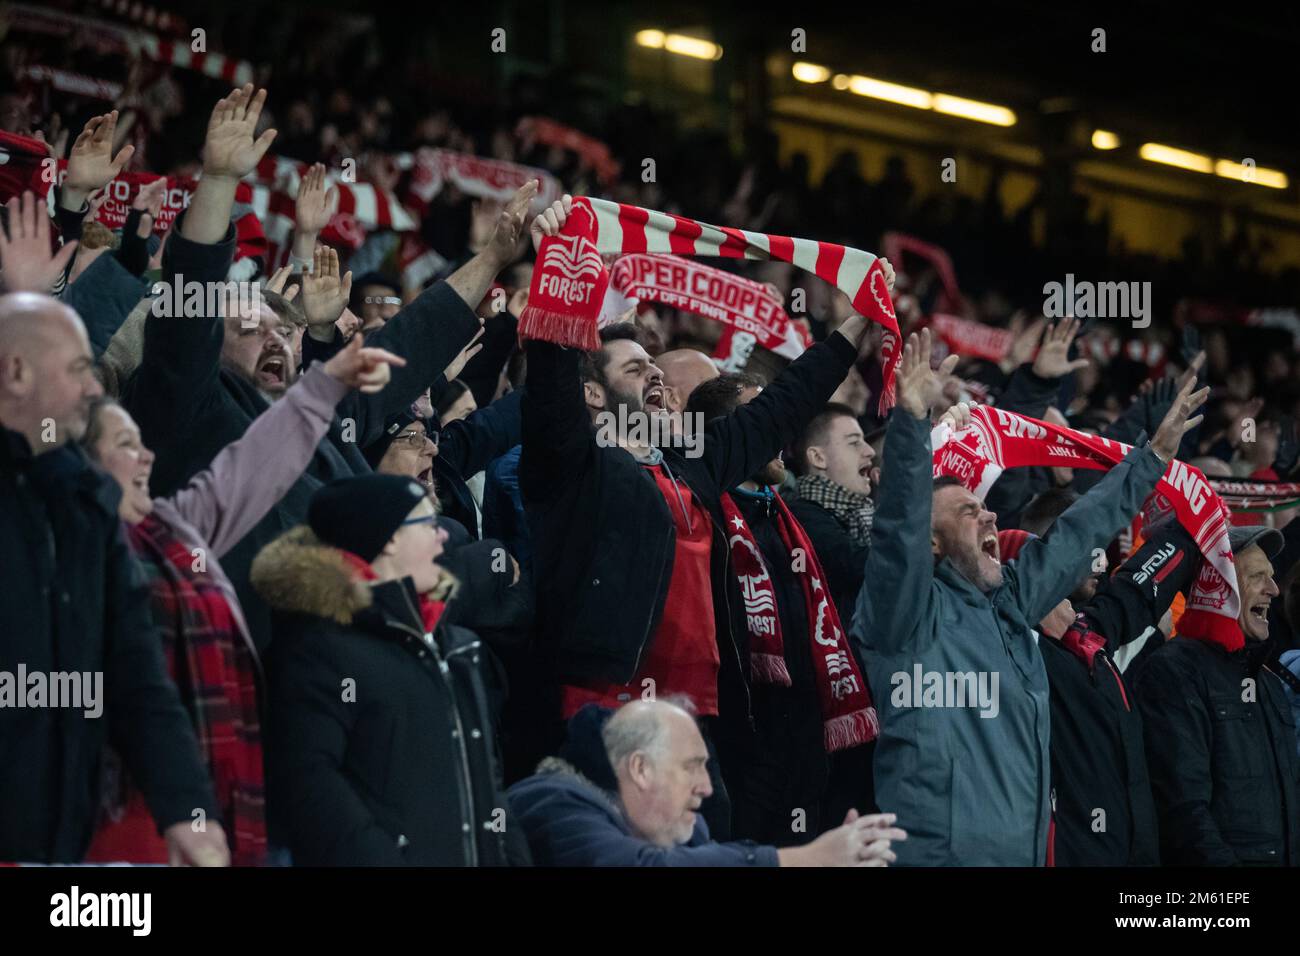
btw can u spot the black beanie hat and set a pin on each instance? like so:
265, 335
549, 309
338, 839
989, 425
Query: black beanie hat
361, 514
375, 451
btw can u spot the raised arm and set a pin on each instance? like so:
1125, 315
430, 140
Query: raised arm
1136, 596
182, 354
739, 444
900, 566
249, 476
431, 332
1048, 569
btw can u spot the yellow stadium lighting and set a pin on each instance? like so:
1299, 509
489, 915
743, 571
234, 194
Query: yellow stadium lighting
973, 110
1104, 139
810, 72
1183, 159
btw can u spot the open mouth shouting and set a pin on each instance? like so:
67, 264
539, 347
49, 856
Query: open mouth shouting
273, 371
1259, 614
989, 547
653, 399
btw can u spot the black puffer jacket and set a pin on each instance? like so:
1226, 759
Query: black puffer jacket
1220, 742
382, 737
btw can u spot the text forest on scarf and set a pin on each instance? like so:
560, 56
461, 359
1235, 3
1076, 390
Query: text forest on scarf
570, 279
997, 439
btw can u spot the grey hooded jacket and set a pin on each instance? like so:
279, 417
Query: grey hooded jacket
967, 770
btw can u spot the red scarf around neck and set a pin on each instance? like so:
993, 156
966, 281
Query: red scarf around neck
848, 716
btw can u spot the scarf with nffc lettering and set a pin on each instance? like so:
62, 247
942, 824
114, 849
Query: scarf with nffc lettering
997, 439
848, 716
570, 278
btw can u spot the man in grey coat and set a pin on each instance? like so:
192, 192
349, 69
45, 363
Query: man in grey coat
946, 634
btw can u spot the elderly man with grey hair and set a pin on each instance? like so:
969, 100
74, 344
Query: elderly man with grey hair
626, 792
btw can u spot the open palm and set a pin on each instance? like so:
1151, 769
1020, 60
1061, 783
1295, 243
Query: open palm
230, 149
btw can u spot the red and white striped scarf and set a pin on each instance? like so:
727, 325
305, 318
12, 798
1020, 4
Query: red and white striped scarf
740, 304
570, 279
997, 439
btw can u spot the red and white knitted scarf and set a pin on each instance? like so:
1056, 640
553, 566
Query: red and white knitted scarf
998, 439
570, 278
740, 304
848, 716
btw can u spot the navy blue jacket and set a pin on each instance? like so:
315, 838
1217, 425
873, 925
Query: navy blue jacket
569, 821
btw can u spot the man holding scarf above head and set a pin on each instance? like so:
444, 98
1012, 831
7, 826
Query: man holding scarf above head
969, 779
631, 555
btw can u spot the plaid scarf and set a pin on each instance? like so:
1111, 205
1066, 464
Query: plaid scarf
214, 672
850, 509
848, 716
570, 281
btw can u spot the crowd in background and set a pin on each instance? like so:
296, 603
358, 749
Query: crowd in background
365, 588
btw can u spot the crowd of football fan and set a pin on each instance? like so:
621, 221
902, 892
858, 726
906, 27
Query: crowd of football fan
365, 586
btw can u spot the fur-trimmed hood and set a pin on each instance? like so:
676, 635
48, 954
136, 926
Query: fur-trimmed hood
299, 573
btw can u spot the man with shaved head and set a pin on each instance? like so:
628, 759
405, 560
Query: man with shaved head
683, 370
630, 794
74, 615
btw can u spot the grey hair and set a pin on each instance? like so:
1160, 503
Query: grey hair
639, 726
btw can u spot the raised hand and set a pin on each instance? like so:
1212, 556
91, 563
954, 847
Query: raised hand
889, 274
918, 385
1024, 344
1053, 358
361, 368
551, 220
91, 164
504, 244
324, 292
279, 279
315, 205
1178, 420
230, 152
957, 417
467, 353
150, 197
26, 264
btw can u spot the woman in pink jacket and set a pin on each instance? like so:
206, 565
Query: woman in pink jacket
179, 542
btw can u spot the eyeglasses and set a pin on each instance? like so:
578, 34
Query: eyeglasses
417, 439
427, 519
382, 300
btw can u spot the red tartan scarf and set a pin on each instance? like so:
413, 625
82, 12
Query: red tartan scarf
997, 439
570, 278
848, 716
213, 667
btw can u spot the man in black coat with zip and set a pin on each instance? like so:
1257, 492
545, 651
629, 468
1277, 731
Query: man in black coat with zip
1220, 737
80, 660
630, 550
